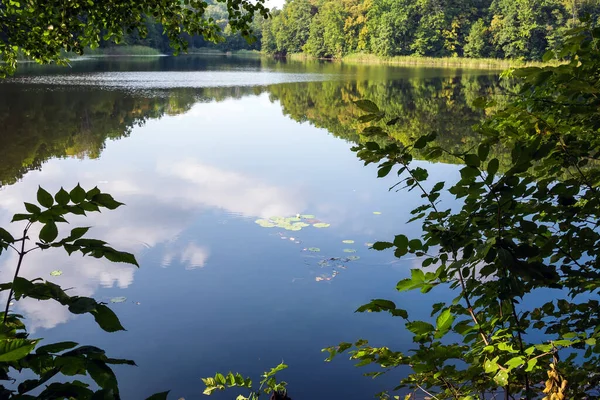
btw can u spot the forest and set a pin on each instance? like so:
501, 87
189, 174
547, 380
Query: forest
520, 29
504, 29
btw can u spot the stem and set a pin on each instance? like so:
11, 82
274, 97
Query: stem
517, 321
21, 255
426, 392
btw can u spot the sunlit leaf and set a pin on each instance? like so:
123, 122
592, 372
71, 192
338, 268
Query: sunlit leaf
321, 225
15, 349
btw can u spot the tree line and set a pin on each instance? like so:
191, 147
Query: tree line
524, 29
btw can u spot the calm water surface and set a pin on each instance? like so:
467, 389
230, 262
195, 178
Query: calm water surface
199, 149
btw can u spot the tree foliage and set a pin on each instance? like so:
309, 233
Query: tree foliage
519, 236
43, 30
474, 28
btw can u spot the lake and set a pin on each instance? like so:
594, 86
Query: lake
208, 152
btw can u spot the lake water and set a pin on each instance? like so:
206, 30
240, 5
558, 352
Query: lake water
199, 148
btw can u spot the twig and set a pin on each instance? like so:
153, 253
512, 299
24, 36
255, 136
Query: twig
21, 255
426, 392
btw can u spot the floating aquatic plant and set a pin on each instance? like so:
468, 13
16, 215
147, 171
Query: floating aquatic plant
291, 223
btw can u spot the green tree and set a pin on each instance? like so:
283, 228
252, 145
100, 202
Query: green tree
43, 30
477, 44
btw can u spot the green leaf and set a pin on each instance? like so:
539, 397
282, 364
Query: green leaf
515, 362
55, 347
77, 194
21, 217
501, 378
159, 396
493, 166
419, 327
62, 197
107, 319
379, 246
444, 321
49, 232
531, 364
106, 200
490, 366
91, 193
482, 151
82, 305
472, 160
6, 236
44, 198
384, 171
32, 208
78, 233
367, 105
102, 374
15, 349
119, 256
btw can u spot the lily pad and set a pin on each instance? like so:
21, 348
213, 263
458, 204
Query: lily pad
353, 258
118, 299
293, 228
265, 223
314, 249
301, 224
307, 216
377, 212
292, 219
369, 244
349, 250
56, 273
321, 225
348, 241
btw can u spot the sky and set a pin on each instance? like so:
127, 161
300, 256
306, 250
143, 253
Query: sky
275, 3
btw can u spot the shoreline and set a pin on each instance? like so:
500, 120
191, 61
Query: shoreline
431, 62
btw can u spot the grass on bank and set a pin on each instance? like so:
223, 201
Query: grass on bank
480, 63
213, 51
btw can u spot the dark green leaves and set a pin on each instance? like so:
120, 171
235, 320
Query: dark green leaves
493, 166
382, 245
49, 232
77, 194
62, 197
379, 305
159, 396
55, 348
367, 105
5, 236
44, 198
107, 319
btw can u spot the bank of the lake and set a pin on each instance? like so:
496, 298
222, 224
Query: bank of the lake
435, 62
